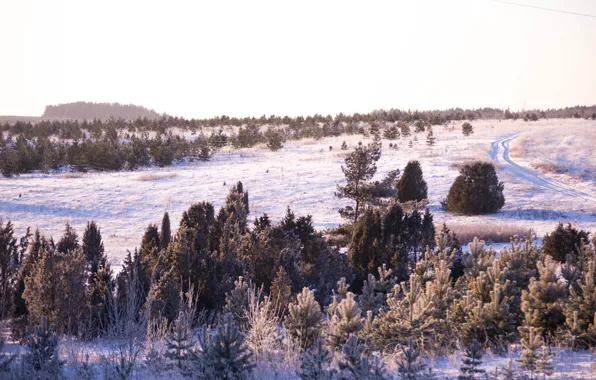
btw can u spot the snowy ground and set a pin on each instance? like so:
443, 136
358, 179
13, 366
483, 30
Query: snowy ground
304, 175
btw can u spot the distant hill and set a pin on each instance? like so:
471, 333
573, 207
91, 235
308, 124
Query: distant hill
88, 110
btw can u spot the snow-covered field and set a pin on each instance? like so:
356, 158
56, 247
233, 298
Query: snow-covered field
304, 175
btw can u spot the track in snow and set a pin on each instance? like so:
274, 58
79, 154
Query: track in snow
499, 152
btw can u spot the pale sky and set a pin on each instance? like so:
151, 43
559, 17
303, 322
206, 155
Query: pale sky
206, 58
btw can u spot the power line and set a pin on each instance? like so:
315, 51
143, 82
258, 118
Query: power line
544, 9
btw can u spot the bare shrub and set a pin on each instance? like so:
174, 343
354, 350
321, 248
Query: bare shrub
155, 176
262, 331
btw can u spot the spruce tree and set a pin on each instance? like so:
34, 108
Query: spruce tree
365, 246
165, 234
346, 321
360, 166
303, 322
93, 250
8, 265
471, 362
411, 185
315, 364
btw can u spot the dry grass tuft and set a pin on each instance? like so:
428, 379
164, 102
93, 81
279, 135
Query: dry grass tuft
155, 176
70, 175
491, 233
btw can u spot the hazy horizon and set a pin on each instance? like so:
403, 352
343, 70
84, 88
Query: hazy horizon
204, 59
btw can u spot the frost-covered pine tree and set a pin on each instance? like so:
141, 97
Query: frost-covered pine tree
542, 304
225, 355
409, 313
357, 365
580, 310
237, 300
531, 344
370, 300
178, 342
42, 348
315, 363
303, 322
346, 322
470, 368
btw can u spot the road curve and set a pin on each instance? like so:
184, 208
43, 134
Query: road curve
499, 153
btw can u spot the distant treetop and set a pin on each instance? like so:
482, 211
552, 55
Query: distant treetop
104, 111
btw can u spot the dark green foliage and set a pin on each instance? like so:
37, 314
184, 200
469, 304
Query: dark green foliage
360, 166
467, 129
93, 249
69, 240
344, 146
8, 264
391, 132
275, 139
476, 190
386, 188
262, 223
411, 185
563, 241
471, 362
364, 252
427, 230
165, 234
430, 138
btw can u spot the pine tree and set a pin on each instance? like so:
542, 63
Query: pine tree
42, 348
344, 146
370, 300
315, 363
467, 129
281, 291
303, 322
410, 313
275, 139
360, 167
544, 364
225, 356
410, 367
529, 356
346, 321
564, 241
165, 234
430, 138
237, 300
355, 364
178, 342
8, 266
471, 362
542, 303
580, 310
69, 240
411, 185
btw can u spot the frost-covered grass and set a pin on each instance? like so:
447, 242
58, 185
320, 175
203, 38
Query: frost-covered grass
303, 175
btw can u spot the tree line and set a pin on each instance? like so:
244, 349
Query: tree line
401, 287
